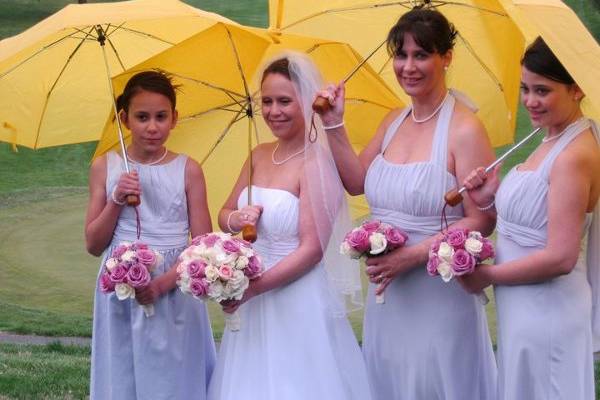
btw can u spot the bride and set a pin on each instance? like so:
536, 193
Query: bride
295, 341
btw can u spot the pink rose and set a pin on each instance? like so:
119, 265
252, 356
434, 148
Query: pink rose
146, 256
118, 252
435, 246
230, 246
457, 238
395, 237
196, 269
106, 284
254, 267
225, 272
242, 242
371, 226
210, 240
463, 262
140, 246
432, 265
487, 250
138, 276
119, 274
358, 239
199, 287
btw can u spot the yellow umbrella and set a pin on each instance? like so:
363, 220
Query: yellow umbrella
54, 82
569, 40
485, 64
218, 103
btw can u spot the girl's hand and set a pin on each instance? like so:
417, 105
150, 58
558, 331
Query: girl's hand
383, 269
248, 215
336, 96
148, 294
127, 184
482, 187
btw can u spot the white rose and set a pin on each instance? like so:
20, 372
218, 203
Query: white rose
124, 291
347, 250
445, 252
212, 273
225, 258
241, 263
445, 271
215, 291
128, 255
237, 278
473, 246
475, 235
246, 251
111, 263
378, 243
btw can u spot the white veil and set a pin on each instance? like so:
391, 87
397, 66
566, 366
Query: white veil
326, 191
593, 260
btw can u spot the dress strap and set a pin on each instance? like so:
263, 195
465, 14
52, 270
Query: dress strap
393, 128
570, 133
439, 147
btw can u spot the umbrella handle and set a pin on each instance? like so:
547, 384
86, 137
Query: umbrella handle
321, 105
133, 200
249, 233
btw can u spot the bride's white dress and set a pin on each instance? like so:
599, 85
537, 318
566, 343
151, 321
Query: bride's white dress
290, 345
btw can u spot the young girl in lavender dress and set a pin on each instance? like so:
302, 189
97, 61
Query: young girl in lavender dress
169, 355
547, 295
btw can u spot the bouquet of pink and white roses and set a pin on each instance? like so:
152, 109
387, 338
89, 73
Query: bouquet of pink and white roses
129, 267
218, 267
458, 253
370, 239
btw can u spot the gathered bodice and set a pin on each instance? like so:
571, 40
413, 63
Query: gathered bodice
411, 195
163, 209
522, 199
277, 227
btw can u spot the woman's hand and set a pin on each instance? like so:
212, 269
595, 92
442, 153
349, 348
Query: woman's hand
128, 184
248, 215
481, 186
476, 281
149, 294
336, 97
383, 269
231, 306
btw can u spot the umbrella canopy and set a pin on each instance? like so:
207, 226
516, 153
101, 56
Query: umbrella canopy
482, 66
569, 40
53, 77
216, 70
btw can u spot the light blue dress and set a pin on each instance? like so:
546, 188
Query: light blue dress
430, 339
291, 345
171, 354
544, 329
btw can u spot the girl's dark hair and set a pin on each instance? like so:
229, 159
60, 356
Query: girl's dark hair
430, 29
280, 66
151, 81
539, 59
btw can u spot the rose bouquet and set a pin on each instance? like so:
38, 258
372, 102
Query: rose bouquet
218, 267
458, 253
129, 267
372, 238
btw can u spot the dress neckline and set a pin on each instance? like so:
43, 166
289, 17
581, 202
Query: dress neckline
274, 189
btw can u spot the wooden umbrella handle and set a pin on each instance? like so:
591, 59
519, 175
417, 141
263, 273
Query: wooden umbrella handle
321, 105
249, 233
133, 200
453, 197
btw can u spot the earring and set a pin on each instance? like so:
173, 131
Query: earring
445, 68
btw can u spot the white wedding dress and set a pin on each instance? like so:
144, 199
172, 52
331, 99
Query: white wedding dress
290, 345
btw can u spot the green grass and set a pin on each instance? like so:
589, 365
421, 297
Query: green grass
52, 371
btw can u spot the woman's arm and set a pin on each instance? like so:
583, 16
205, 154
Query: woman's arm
352, 168
102, 215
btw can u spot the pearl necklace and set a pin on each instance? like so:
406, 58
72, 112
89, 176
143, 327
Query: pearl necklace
287, 158
438, 108
150, 163
547, 139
